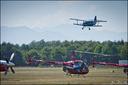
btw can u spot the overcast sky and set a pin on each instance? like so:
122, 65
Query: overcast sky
50, 14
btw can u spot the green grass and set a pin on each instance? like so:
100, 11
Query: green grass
33, 75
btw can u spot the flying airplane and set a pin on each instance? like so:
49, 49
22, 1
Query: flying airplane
72, 67
5, 64
88, 23
125, 70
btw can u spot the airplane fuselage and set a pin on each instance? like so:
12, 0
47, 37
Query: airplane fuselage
4, 64
89, 23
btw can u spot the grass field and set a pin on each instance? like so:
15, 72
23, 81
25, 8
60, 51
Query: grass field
34, 75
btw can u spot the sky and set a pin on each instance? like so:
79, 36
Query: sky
51, 14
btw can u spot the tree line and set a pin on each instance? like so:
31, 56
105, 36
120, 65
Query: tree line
61, 51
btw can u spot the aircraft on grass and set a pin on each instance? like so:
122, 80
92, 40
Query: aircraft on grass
125, 70
88, 23
5, 64
79, 66
72, 67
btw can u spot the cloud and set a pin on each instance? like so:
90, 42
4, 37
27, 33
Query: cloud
94, 8
48, 21
52, 20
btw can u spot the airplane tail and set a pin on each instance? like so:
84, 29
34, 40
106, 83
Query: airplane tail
95, 18
73, 56
29, 60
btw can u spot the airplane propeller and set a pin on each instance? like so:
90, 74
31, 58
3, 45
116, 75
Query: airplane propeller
6, 59
8, 63
11, 57
12, 70
6, 71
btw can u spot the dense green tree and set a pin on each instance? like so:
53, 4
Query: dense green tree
109, 48
65, 44
45, 53
61, 51
32, 53
24, 47
98, 49
57, 54
124, 52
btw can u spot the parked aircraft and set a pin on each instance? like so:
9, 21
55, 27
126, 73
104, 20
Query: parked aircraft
125, 70
72, 67
5, 64
79, 66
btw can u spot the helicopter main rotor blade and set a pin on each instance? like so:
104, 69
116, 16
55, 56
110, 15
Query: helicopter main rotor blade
94, 53
11, 56
6, 71
12, 70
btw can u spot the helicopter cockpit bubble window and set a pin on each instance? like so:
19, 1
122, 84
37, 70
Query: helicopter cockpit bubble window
79, 63
85, 60
84, 67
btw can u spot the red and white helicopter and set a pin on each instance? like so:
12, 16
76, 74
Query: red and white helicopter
125, 70
72, 67
5, 64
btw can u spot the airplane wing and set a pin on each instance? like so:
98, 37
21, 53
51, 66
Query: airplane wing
97, 26
77, 19
101, 21
77, 24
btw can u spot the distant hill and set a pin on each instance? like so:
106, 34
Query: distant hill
25, 35
22, 34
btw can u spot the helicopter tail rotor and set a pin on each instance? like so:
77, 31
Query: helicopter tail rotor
93, 62
29, 60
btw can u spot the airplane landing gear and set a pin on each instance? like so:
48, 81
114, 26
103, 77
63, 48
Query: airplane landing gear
89, 28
